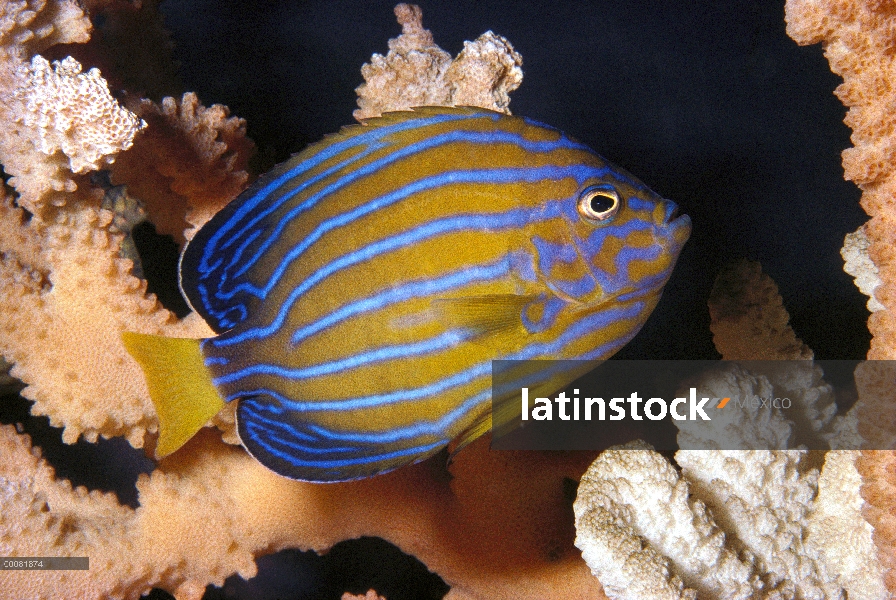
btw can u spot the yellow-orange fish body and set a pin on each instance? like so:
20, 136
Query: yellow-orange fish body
362, 288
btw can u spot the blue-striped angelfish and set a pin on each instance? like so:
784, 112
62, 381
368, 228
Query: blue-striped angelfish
361, 289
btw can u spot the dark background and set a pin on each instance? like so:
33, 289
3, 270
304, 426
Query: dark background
708, 102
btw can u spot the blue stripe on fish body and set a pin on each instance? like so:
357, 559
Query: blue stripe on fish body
399, 438
517, 218
362, 289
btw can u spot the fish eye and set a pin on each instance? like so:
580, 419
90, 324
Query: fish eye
599, 203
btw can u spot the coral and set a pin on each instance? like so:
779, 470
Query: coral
746, 429
877, 465
632, 509
837, 527
75, 113
877, 395
370, 595
190, 162
416, 72
877, 468
858, 264
26, 28
738, 523
50, 279
731, 524
749, 321
492, 525
58, 266
205, 513
859, 42
126, 547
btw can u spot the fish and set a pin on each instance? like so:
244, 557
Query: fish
361, 290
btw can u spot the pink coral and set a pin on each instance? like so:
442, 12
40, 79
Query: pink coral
207, 512
190, 162
859, 42
26, 28
878, 469
749, 321
50, 278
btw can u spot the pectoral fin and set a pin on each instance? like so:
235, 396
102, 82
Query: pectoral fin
180, 386
495, 319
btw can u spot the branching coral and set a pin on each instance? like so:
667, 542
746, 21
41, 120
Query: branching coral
190, 162
416, 72
60, 266
732, 524
679, 533
27, 28
370, 595
736, 523
205, 513
859, 42
496, 526
857, 263
75, 113
877, 466
50, 279
749, 321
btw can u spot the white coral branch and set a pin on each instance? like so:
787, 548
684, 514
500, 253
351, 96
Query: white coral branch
74, 112
644, 536
416, 72
858, 263
732, 524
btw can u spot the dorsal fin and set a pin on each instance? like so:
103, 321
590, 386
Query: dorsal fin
387, 119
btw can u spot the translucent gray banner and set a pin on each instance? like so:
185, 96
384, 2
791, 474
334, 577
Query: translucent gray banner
44, 563
719, 405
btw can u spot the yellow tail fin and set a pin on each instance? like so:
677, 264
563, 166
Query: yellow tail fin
180, 386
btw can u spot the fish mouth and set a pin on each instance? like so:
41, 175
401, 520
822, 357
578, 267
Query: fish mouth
673, 213
676, 224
